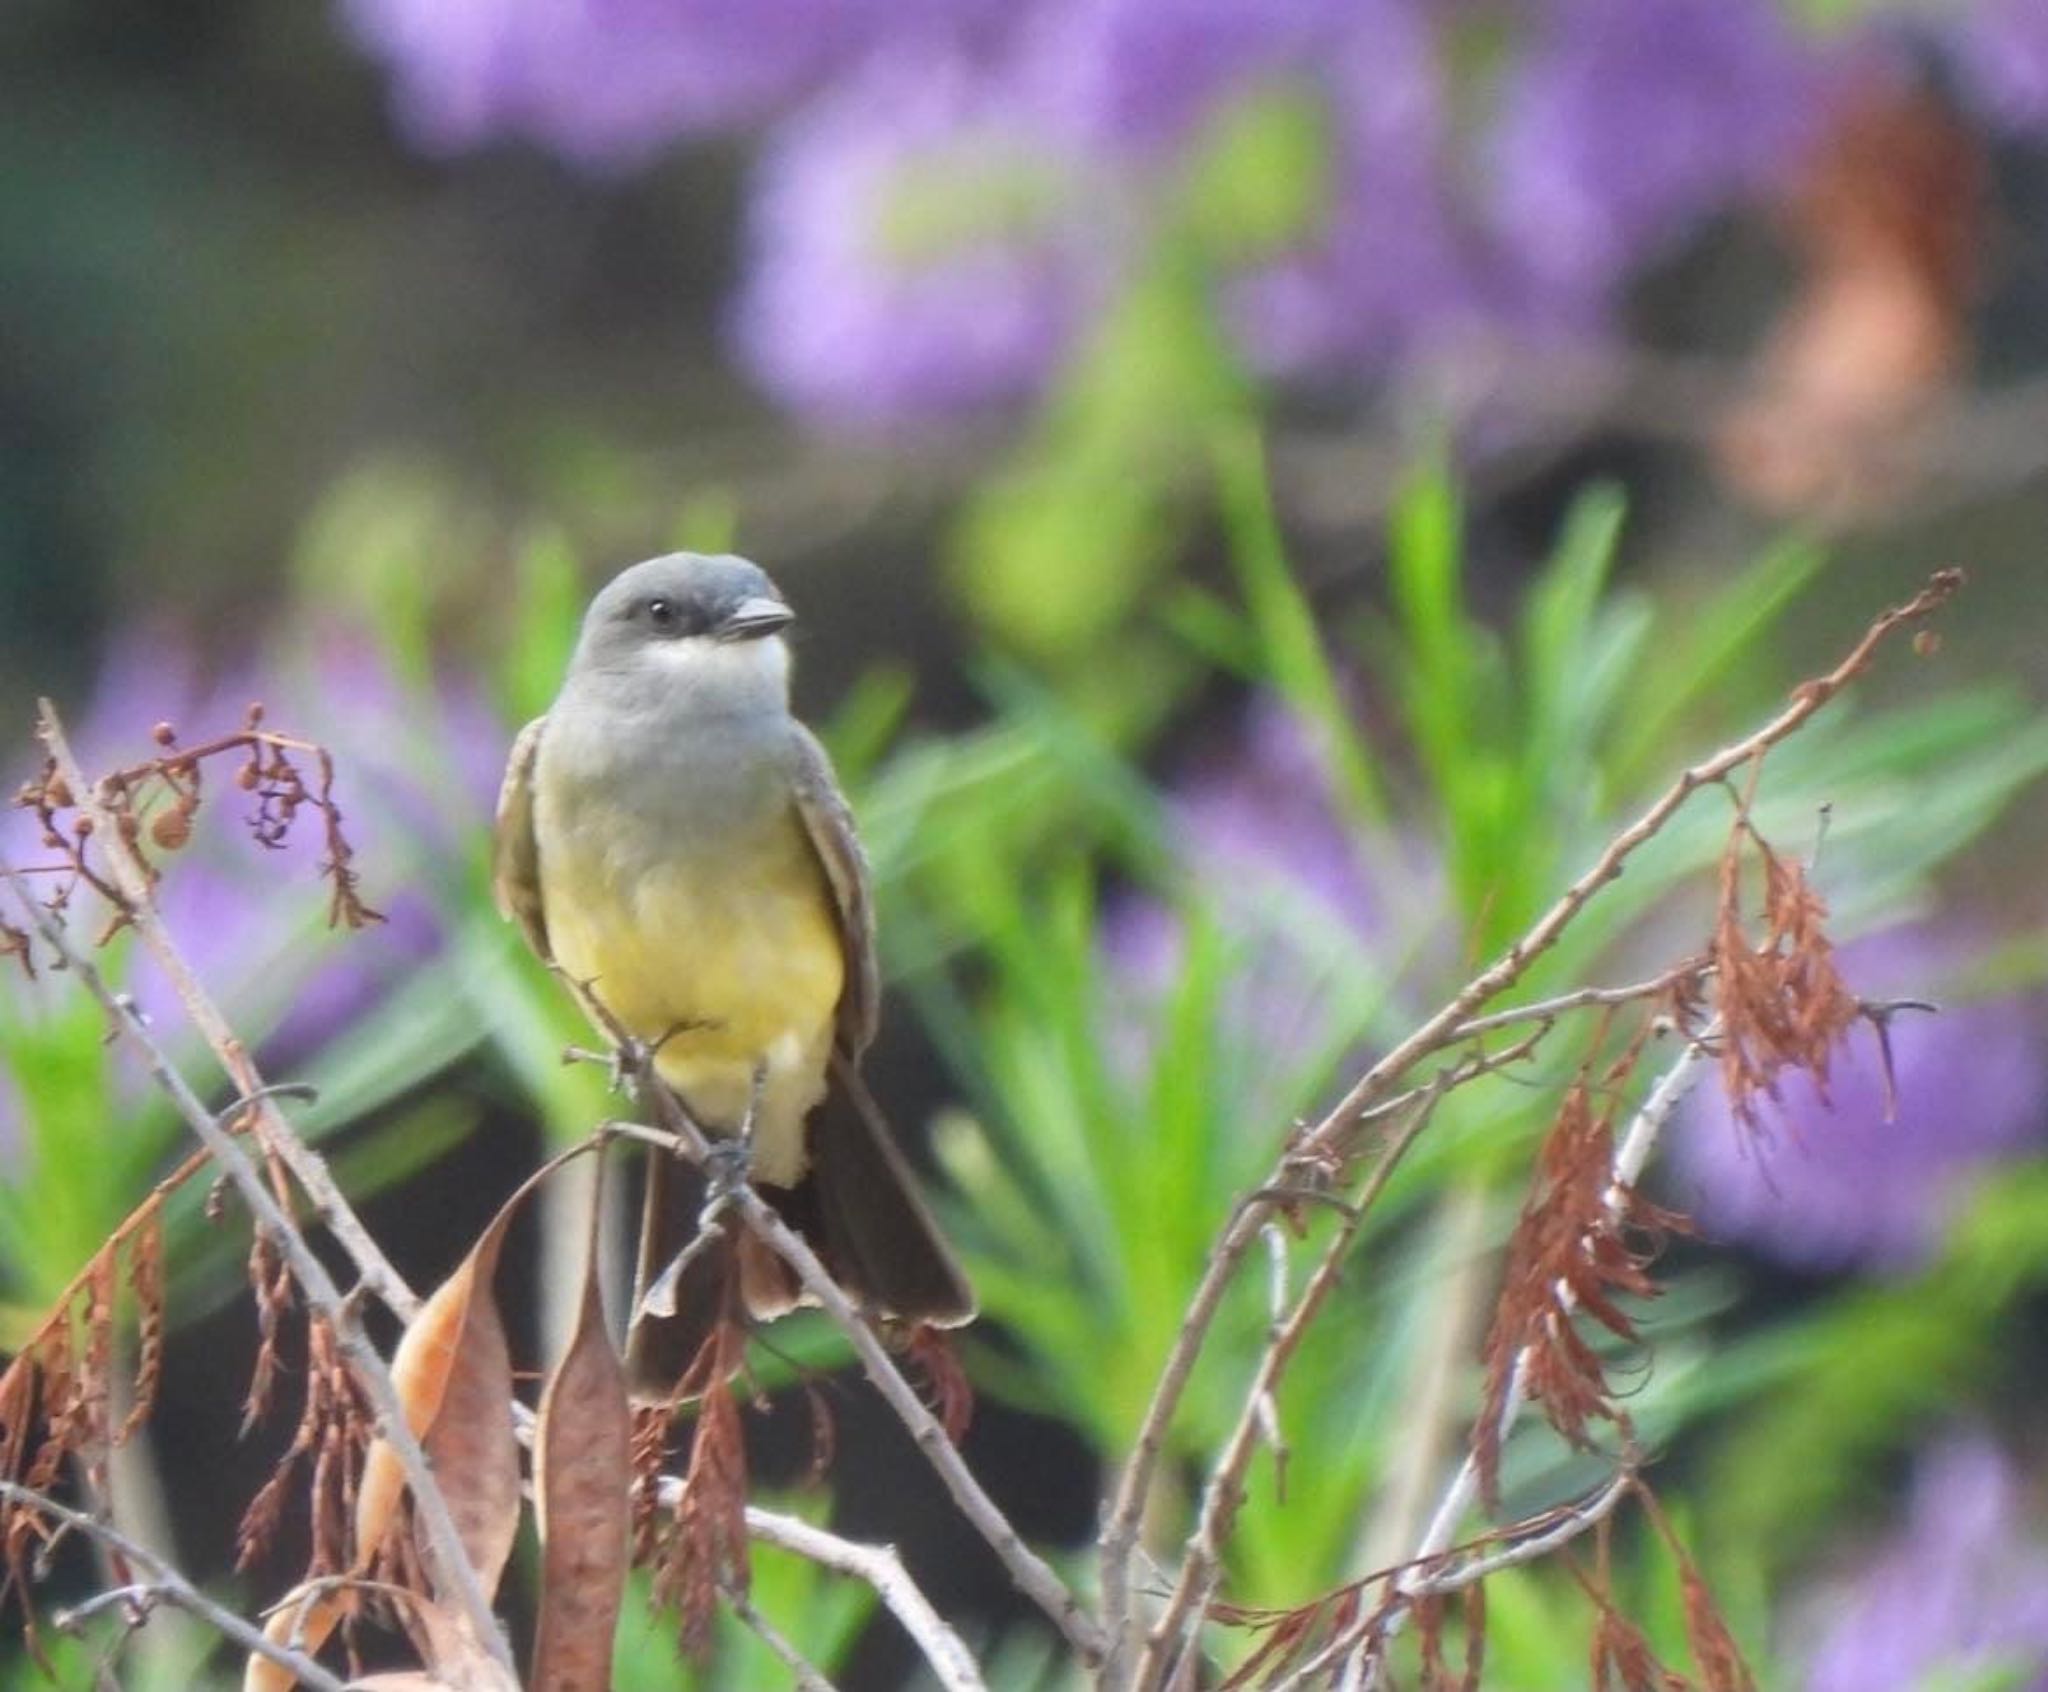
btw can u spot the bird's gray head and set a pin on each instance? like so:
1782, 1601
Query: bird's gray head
691, 626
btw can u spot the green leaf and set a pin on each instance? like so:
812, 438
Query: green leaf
1290, 640
1706, 645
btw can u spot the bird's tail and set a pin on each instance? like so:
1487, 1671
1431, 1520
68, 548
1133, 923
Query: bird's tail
857, 1205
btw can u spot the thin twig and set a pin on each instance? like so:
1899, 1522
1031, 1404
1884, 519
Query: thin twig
1570, 1523
1629, 1159
308, 1168
1119, 1542
952, 1664
1454, 1571
321, 1294
804, 1674
1224, 1492
167, 1585
1331, 1135
1546, 1010
1033, 1576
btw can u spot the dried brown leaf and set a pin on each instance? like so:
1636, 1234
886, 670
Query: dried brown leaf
453, 1371
583, 1472
1781, 998
702, 1547
1575, 1253
951, 1393
146, 1286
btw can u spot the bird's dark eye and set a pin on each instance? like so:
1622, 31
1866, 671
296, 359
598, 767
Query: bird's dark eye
661, 613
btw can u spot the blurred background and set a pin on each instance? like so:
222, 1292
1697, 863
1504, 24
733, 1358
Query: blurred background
1268, 485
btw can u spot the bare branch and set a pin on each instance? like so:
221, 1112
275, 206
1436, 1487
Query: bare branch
1225, 1489
1120, 1535
1629, 1160
1034, 1577
1331, 1136
879, 1566
164, 1585
804, 1674
138, 904
311, 1274
1545, 1010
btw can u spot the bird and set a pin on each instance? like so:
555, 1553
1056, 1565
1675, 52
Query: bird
675, 843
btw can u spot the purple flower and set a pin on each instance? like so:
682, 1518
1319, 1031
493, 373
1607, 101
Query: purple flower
1145, 74
1960, 1588
914, 247
1626, 121
1388, 266
611, 81
1273, 863
2002, 52
252, 922
1836, 1185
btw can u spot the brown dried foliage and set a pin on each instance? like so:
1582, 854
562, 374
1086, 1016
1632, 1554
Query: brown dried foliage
1578, 1247
951, 1394
1622, 1658
453, 1372
1714, 1651
1293, 1636
332, 1437
1436, 1672
57, 1394
699, 1548
271, 1288
1782, 1001
583, 1467
153, 803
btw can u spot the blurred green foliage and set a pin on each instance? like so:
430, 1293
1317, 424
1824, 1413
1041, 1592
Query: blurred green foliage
1106, 1128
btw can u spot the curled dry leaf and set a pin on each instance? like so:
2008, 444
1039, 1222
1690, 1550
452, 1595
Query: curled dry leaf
1781, 998
453, 1372
1583, 1243
583, 1472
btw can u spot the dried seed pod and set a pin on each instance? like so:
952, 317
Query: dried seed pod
172, 828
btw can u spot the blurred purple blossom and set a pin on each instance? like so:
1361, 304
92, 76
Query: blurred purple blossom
1388, 265
914, 247
1145, 74
1835, 1185
1273, 863
1961, 1587
2002, 49
412, 785
609, 82
954, 190
1626, 121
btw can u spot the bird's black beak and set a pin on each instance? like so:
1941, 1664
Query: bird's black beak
753, 618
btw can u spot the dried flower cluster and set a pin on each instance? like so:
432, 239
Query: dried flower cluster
1575, 1250
58, 1394
157, 799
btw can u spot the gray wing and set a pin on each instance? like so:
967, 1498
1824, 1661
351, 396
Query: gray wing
515, 858
829, 822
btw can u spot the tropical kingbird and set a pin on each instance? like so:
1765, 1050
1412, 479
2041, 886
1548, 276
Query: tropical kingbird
675, 842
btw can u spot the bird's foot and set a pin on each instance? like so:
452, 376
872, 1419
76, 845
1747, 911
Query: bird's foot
732, 1159
727, 1164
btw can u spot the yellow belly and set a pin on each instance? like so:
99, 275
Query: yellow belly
724, 967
